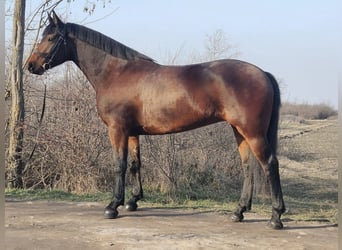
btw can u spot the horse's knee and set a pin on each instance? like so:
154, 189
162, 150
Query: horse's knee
134, 167
120, 168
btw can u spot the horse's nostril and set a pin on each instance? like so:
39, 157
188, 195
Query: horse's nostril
30, 66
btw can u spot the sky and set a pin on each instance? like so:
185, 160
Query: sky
297, 41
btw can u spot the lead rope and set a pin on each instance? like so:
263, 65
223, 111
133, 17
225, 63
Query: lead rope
40, 121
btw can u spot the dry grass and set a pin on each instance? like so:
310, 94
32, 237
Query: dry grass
308, 158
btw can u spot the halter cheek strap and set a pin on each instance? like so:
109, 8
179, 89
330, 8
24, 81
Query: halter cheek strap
49, 57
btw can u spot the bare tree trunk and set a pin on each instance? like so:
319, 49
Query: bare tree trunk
15, 154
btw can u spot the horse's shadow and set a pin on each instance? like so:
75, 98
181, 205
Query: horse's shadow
174, 212
288, 227
307, 227
164, 212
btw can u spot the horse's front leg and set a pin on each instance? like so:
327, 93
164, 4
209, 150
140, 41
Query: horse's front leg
245, 202
137, 192
119, 142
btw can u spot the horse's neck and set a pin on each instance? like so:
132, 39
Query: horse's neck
95, 63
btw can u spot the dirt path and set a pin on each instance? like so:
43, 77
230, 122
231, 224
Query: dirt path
72, 225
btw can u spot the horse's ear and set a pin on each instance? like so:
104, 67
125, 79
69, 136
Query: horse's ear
50, 18
53, 18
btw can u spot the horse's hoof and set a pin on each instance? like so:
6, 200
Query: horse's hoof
131, 206
277, 225
110, 213
236, 217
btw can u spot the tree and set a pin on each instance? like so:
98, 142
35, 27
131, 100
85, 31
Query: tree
15, 159
16, 123
217, 46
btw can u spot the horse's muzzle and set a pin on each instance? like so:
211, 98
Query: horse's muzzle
34, 69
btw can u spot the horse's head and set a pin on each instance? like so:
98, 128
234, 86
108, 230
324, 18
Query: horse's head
52, 49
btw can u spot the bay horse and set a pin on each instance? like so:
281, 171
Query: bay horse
137, 96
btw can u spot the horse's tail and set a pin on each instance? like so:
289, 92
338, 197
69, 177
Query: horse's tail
272, 134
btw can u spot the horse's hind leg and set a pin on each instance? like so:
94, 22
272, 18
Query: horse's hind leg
270, 165
137, 192
278, 206
245, 202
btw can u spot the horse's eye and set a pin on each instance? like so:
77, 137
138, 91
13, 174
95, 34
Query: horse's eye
51, 38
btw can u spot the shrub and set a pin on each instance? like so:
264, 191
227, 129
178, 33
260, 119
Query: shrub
308, 111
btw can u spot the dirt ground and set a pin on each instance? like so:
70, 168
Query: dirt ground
80, 225
71, 225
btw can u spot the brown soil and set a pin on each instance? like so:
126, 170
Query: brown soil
74, 225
